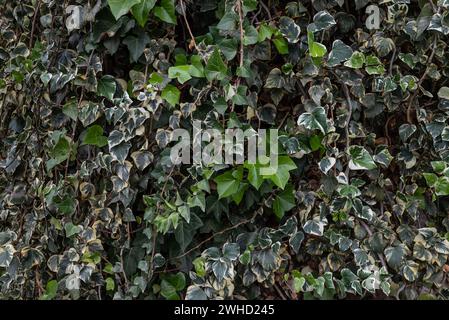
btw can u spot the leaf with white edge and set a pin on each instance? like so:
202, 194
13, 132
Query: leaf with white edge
6, 255
315, 227
356, 61
395, 255
443, 93
326, 164
340, 53
383, 157
323, 20
289, 29
360, 159
195, 293
220, 269
106, 87
296, 240
315, 120
142, 159
410, 270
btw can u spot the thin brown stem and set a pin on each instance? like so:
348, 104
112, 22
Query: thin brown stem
184, 15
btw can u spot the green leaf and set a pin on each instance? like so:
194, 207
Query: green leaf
316, 50
182, 73
356, 61
166, 11
121, 7
106, 87
136, 45
51, 290
265, 32
171, 94
59, 153
141, 11
228, 22
215, 69
281, 45
281, 174
284, 202
228, 183
110, 284
360, 159
71, 229
315, 120
94, 136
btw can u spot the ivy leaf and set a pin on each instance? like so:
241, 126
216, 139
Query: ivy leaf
314, 120
220, 269
289, 29
316, 50
360, 159
284, 201
182, 73
228, 183
121, 7
326, 164
228, 22
321, 21
94, 136
51, 290
106, 87
171, 94
296, 241
71, 229
314, 227
281, 174
166, 11
443, 93
136, 45
395, 255
356, 61
59, 153
215, 69
275, 79
141, 11
340, 53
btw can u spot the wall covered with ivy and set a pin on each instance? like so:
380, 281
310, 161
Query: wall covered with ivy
92, 207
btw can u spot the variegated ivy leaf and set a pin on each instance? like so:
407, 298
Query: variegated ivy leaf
383, 157
395, 255
315, 120
340, 53
315, 227
360, 159
289, 29
410, 270
321, 21
326, 164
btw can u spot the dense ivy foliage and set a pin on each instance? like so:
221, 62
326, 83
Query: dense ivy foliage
91, 207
